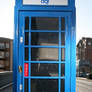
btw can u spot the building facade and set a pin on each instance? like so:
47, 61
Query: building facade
84, 55
6, 54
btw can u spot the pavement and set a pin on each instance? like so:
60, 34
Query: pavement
82, 85
7, 89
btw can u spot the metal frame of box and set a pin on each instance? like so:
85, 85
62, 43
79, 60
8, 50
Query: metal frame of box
22, 10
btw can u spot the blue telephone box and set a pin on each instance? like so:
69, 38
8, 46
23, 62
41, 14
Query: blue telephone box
45, 46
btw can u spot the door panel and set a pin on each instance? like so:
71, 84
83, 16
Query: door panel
45, 54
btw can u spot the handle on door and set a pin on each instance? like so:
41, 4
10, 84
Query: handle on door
20, 69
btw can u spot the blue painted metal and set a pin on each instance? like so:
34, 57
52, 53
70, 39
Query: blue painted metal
67, 68
59, 54
73, 51
69, 12
15, 51
29, 56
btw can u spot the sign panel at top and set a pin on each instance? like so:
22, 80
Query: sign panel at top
45, 2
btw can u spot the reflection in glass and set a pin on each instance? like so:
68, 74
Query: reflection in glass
44, 85
44, 54
40, 69
26, 23
62, 38
26, 85
62, 85
45, 38
62, 70
26, 38
62, 54
62, 23
44, 23
26, 54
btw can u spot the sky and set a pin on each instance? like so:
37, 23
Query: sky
83, 18
7, 18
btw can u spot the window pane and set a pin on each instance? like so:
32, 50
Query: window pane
62, 38
39, 69
26, 38
45, 39
62, 70
62, 54
7, 45
26, 54
44, 85
2, 64
2, 55
2, 46
44, 54
62, 85
26, 23
44, 23
26, 85
62, 23
7, 54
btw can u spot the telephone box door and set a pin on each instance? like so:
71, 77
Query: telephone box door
44, 52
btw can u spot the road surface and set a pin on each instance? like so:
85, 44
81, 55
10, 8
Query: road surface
83, 85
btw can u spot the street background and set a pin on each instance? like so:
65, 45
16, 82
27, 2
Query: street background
82, 85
